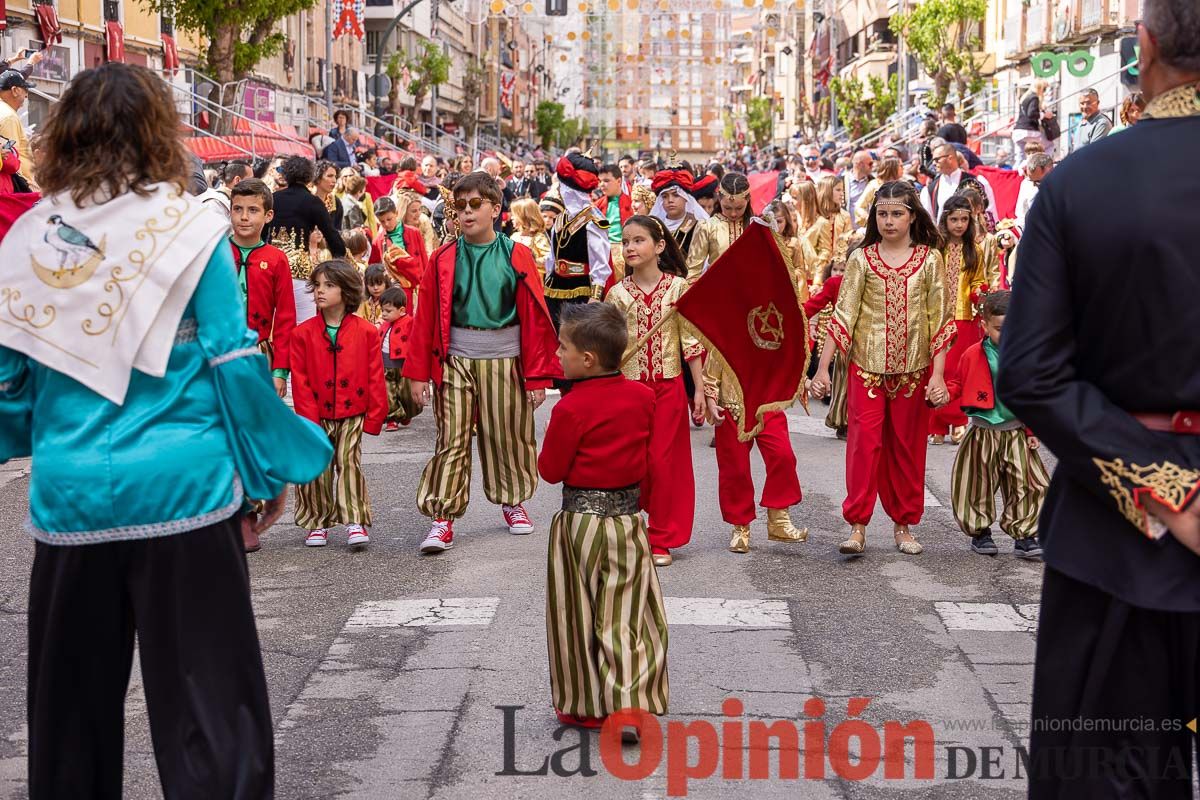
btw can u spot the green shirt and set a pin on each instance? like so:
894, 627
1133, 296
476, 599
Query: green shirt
998, 414
243, 255
485, 285
614, 219
397, 236
331, 332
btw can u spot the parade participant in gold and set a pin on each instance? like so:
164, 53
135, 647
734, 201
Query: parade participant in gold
675, 205
833, 222
893, 324
714, 235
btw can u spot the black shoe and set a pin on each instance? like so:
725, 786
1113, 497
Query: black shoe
984, 544
840, 432
1027, 548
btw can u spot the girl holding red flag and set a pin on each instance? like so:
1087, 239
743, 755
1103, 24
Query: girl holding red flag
654, 281
892, 322
715, 234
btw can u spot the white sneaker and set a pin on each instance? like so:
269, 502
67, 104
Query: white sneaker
440, 536
517, 520
317, 538
356, 535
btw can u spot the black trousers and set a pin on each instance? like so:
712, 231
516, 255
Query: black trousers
187, 597
1114, 688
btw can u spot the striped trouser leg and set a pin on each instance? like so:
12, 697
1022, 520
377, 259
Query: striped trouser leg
605, 623
445, 487
1023, 482
974, 479
507, 449
350, 490
836, 416
316, 505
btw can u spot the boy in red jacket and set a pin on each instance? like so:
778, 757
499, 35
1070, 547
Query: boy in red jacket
393, 337
264, 275
483, 336
399, 248
605, 621
337, 382
997, 452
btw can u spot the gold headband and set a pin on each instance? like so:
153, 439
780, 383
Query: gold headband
891, 201
739, 196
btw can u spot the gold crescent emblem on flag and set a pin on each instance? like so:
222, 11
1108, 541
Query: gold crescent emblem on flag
766, 327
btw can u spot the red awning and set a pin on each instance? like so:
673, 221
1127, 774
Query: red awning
170, 52
48, 23
214, 148
3, 17
114, 41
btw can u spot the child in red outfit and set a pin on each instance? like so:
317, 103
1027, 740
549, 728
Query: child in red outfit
399, 248
337, 382
393, 337
605, 622
264, 275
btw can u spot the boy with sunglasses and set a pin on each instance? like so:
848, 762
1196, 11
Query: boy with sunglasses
483, 337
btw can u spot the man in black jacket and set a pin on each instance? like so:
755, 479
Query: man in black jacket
1101, 358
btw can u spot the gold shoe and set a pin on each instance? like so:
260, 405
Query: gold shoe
739, 542
909, 546
663, 560
857, 543
957, 434
781, 529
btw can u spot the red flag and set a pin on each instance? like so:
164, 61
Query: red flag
746, 308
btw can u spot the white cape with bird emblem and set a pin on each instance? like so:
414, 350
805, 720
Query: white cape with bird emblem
98, 291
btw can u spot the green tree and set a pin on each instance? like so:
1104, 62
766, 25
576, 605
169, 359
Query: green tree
428, 68
864, 107
549, 117
240, 34
760, 121
943, 35
467, 117
569, 132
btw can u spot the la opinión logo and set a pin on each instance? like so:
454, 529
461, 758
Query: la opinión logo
722, 748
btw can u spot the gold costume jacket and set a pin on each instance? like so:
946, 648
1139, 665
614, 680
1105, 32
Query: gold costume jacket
712, 238
823, 237
538, 244
720, 385
659, 358
960, 297
892, 321
798, 257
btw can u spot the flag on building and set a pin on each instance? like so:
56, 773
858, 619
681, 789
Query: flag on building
350, 15
745, 307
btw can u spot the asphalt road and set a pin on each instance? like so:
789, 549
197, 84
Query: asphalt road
388, 669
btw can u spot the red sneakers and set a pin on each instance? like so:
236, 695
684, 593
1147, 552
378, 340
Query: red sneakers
440, 536
517, 520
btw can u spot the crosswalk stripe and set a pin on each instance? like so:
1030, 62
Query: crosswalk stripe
432, 613
719, 611
998, 617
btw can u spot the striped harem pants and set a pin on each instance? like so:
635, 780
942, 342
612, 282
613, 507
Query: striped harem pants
492, 392
605, 624
990, 460
339, 495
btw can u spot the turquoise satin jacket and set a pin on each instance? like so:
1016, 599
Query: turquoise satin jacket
183, 452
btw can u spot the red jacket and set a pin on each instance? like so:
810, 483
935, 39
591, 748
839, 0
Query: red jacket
826, 297
270, 302
10, 164
331, 382
624, 206
407, 270
398, 343
973, 388
429, 340
599, 434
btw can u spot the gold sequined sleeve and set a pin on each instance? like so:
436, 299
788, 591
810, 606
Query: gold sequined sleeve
941, 319
849, 301
698, 254
863, 209
714, 367
631, 362
991, 262
821, 241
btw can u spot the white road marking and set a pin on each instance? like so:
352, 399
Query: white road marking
717, 611
434, 612
989, 616
808, 426
930, 500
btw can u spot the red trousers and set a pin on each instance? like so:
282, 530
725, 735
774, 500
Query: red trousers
885, 452
735, 486
669, 488
951, 414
